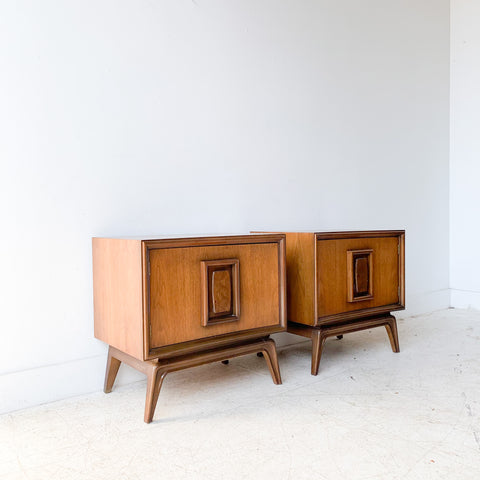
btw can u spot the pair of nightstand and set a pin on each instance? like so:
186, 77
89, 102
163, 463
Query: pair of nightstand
165, 304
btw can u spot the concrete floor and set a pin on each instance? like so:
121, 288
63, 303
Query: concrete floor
370, 414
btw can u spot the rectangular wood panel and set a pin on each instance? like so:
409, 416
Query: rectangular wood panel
336, 276
301, 304
117, 294
359, 275
175, 287
220, 287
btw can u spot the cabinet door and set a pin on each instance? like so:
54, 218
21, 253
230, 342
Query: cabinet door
197, 292
358, 276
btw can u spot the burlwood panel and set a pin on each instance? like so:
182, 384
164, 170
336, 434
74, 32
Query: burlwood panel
332, 282
220, 291
175, 291
359, 275
301, 277
117, 294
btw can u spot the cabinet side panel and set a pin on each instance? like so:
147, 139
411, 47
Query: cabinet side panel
301, 278
117, 294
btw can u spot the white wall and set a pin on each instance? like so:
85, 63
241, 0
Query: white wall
118, 117
465, 154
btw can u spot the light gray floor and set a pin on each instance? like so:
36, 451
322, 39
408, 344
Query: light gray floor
370, 414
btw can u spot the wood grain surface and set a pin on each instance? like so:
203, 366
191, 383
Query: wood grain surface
117, 294
175, 291
301, 306
332, 274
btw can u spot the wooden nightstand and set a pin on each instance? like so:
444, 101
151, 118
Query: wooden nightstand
165, 304
344, 282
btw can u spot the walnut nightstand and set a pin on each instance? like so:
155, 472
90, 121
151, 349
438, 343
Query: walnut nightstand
343, 282
164, 304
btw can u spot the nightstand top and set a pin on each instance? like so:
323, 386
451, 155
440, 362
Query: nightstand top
180, 236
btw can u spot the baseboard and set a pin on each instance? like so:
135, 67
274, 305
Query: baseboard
36, 386
465, 299
420, 303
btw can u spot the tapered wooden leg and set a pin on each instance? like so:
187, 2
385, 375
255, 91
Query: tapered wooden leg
113, 364
318, 339
154, 383
270, 354
392, 332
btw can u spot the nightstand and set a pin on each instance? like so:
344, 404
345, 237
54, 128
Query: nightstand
343, 282
165, 304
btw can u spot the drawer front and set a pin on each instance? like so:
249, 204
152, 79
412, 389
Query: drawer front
199, 292
357, 275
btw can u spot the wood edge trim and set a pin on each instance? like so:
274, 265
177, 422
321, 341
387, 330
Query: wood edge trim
213, 241
182, 348
140, 365
282, 281
221, 261
354, 314
359, 234
350, 279
362, 324
401, 269
236, 287
232, 350
315, 279
204, 290
146, 300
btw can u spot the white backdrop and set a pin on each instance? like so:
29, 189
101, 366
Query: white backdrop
154, 117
